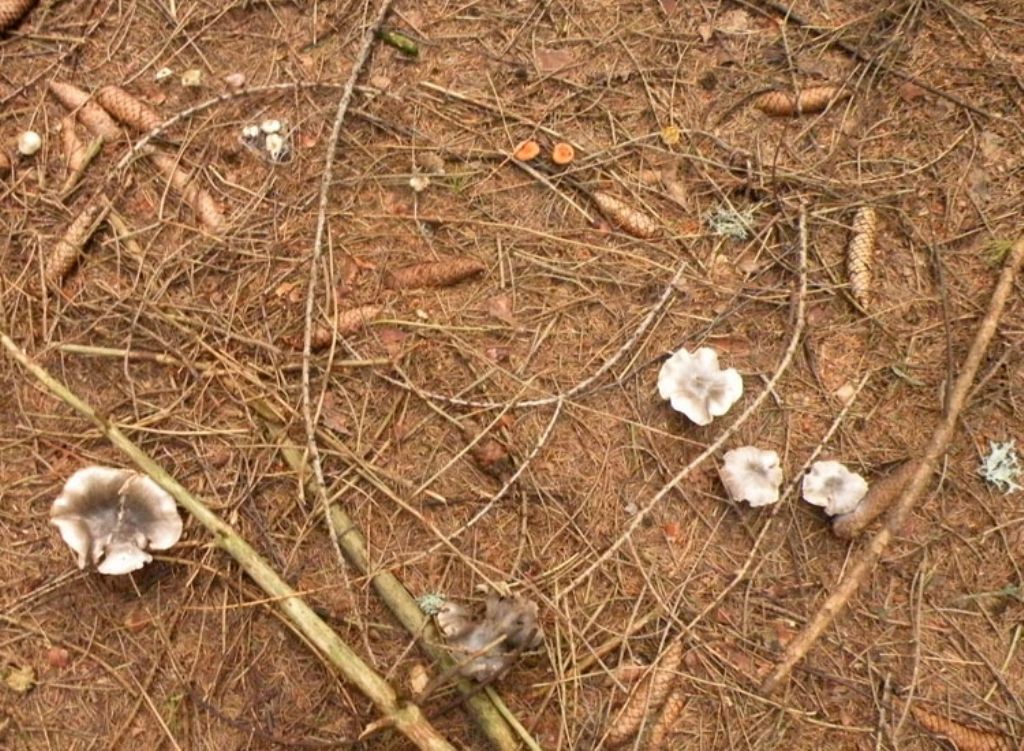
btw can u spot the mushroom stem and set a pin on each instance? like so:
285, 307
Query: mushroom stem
406, 717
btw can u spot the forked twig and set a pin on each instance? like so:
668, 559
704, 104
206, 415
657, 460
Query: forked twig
835, 603
405, 717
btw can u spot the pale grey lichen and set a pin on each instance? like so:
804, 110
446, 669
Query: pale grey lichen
1002, 467
728, 222
431, 603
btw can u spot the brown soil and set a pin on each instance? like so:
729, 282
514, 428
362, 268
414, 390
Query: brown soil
189, 654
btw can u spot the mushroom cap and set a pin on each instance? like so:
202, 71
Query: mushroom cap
489, 644
109, 517
696, 386
751, 474
835, 488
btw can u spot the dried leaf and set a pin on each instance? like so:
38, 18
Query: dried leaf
882, 493
89, 113
964, 737
489, 453
433, 273
65, 252
128, 109
20, 680
419, 679
12, 11
332, 415
58, 657
661, 732
346, 322
808, 101
500, 307
551, 61
647, 697
672, 530
626, 217
861, 255
392, 339
910, 91
202, 203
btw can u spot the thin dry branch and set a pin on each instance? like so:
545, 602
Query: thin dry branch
916, 486
405, 717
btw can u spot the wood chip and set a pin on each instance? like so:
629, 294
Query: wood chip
964, 737
860, 259
634, 222
647, 698
346, 322
65, 252
12, 11
808, 101
202, 203
89, 113
128, 109
434, 273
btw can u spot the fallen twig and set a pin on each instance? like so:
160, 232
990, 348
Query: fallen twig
915, 487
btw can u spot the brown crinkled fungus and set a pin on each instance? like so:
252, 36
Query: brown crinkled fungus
110, 517
562, 154
487, 647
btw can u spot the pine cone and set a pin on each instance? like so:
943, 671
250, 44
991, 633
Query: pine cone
12, 11
625, 216
964, 737
860, 259
433, 273
128, 109
647, 697
202, 203
808, 101
346, 322
91, 115
65, 252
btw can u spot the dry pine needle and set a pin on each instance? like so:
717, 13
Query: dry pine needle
647, 698
128, 109
860, 258
202, 203
65, 252
434, 273
964, 737
12, 11
631, 220
90, 114
807, 101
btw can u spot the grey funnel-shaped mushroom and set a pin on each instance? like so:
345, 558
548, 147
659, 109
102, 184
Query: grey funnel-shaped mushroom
697, 387
751, 474
835, 488
110, 517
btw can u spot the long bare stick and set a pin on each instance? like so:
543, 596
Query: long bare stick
314, 264
407, 718
799, 647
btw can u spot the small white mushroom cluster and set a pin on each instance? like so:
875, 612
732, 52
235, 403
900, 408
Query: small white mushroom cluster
110, 517
270, 140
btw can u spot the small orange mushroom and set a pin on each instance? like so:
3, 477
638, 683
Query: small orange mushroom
562, 154
526, 151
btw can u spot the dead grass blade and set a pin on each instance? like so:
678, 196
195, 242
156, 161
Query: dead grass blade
647, 698
346, 322
65, 252
434, 273
940, 439
12, 11
128, 109
405, 717
964, 737
91, 115
635, 222
805, 102
860, 259
202, 203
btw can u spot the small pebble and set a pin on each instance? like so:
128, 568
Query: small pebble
29, 143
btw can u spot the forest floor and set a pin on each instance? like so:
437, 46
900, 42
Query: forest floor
524, 398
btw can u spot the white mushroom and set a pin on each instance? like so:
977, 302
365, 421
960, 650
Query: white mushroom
29, 142
751, 474
276, 146
697, 387
486, 647
270, 126
832, 486
251, 132
109, 517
